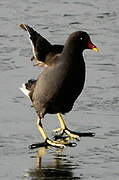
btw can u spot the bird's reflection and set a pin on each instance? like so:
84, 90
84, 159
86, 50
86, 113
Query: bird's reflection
39, 156
58, 168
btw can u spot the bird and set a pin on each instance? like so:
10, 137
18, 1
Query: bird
59, 85
42, 49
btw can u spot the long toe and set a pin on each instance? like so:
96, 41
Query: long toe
38, 145
72, 135
58, 144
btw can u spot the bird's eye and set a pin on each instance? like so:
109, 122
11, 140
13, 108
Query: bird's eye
81, 38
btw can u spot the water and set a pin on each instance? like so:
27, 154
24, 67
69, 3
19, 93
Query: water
96, 110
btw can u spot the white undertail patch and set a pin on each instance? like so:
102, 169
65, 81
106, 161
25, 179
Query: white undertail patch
24, 90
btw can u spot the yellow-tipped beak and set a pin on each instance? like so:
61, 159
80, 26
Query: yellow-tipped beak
95, 49
92, 46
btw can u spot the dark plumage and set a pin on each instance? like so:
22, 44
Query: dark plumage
57, 87
60, 84
42, 49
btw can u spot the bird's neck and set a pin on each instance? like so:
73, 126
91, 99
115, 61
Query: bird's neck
73, 48
73, 53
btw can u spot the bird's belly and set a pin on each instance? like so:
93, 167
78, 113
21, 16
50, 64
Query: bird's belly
64, 100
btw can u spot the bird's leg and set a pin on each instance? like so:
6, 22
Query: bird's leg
63, 129
40, 128
70, 134
48, 142
62, 124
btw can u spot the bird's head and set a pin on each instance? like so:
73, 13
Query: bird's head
82, 41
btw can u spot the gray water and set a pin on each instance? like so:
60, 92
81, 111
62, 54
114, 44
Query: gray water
96, 110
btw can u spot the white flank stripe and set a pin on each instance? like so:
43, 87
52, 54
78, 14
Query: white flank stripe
31, 43
33, 49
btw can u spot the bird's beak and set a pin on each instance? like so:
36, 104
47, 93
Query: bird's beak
95, 49
92, 46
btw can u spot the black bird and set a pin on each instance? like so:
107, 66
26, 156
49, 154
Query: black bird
60, 84
42, 49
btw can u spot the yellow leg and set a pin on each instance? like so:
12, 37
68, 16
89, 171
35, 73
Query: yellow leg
45, 137
62, 124
63, 128
61, 120
40, 128
41, 152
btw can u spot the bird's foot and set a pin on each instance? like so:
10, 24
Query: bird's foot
71, 135
57, 144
